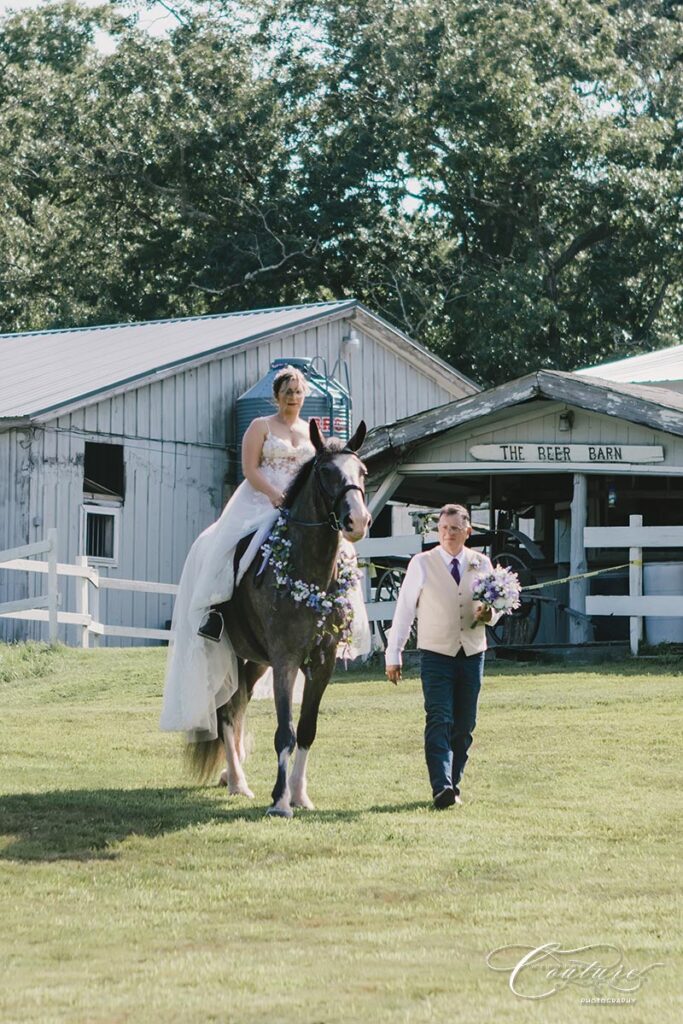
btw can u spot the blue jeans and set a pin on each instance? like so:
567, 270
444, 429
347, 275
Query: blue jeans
451, 690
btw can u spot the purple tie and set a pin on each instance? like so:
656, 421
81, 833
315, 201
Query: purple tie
455, 571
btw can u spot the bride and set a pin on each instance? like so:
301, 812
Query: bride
201, 672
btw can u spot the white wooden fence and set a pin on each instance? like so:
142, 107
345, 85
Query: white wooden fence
47, 608
635, 604
384, 547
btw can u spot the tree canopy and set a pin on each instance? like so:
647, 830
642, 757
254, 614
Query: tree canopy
502, 179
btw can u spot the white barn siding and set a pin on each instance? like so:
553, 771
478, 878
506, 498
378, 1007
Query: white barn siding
384, 385
10, 529
56, 498
14, 491
173, 490
31, 509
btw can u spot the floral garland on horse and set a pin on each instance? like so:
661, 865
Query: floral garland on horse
276, 550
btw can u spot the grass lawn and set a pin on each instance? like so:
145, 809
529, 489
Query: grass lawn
131, 895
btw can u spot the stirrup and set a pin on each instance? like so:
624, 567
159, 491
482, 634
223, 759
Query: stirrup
212, 627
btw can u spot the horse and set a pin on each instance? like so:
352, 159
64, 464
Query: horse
267, 627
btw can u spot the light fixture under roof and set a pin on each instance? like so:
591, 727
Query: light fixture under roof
351, 341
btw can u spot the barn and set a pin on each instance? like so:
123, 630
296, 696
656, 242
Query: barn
546, 462
123, 437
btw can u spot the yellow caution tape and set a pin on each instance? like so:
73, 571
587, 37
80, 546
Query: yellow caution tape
531, 586
582, 575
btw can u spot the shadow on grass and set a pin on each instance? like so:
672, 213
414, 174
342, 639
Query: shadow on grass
83, 824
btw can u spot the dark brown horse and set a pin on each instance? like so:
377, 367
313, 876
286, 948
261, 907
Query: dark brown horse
268, 628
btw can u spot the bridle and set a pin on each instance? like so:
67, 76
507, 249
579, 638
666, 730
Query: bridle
332, 519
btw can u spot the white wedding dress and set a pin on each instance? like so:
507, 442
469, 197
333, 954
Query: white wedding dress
202, 675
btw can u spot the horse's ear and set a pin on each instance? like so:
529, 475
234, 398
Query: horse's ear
315, 435
357, 440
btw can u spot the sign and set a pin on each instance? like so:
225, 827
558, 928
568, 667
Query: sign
541, 453
324, 424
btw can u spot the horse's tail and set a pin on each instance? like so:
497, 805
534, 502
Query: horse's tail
205, 757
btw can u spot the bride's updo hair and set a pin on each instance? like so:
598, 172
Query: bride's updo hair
284, 376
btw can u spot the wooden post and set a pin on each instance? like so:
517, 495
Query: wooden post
578, 628
52, 587
82, 599
95, 608
635, 588
378, 500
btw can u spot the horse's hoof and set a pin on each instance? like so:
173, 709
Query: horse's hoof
304, 802
239, 790
242, 791
279, 812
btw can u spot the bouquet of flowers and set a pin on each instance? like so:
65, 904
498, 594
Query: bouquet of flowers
498, 589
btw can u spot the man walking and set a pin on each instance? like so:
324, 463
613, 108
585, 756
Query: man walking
451, 635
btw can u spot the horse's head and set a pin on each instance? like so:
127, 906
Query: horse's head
341, 475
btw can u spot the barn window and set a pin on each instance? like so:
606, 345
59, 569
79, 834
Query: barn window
103, 493
103, 471
100, 534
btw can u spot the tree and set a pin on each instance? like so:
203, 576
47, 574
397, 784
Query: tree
539, 143
148, 182
499, 178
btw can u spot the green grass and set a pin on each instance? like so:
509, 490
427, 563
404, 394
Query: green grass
131, 895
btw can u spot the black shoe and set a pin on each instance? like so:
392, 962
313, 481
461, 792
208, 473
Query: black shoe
446, 798
212, 627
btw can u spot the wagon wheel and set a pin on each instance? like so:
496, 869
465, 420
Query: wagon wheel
388, 586
521, 626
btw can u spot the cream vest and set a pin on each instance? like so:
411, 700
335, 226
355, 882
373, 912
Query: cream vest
445, 609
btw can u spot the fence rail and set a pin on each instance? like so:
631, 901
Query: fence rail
384, 547
33, 606
46, 607
635, 605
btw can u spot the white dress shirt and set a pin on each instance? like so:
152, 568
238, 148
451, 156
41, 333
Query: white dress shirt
406, 605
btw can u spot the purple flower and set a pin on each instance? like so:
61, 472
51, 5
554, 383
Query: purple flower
499, 588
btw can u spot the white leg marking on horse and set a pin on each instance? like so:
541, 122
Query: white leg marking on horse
297, 780
282, 809
240, 741
237, 783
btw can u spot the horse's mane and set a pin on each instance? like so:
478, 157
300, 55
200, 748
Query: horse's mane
332, 446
